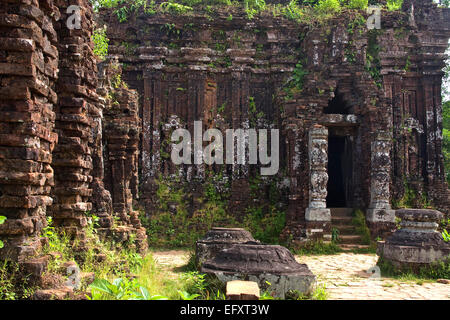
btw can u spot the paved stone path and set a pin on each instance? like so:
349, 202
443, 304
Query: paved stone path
344, 276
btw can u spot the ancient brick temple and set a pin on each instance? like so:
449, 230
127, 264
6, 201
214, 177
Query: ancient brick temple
362, 123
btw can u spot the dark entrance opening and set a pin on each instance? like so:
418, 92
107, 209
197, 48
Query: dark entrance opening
339, 172
337, 105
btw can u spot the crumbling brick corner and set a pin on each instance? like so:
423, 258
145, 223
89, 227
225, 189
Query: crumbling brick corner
51, 130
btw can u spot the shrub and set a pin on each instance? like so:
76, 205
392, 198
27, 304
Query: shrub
359, 221
436, 270
393, 5
358, 4
100, 43
2, 220
328, 7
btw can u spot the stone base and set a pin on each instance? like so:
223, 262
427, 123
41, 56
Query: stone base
417, 243
262, 264
380, 215
411, 258
317, 214
381, 229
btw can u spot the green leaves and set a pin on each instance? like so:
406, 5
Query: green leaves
187, 296
2, 221
121, 289
100, 43
446, 235
393, 5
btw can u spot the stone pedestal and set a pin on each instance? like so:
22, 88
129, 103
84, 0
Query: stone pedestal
417, 243
262, 264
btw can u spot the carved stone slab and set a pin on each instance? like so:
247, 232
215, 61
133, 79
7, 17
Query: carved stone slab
262, 264
417, 243
218, 239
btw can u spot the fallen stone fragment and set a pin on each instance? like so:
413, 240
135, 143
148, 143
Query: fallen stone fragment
218, 239
273, 268
242, 290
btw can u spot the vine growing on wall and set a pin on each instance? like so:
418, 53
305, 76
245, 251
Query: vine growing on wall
2, 220
101, 43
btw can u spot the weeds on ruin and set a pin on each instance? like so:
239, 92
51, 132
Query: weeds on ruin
411, 199
437, 270
101, 43
174, 223
2, 221
14, 285
359, 222
317, 248
393, 5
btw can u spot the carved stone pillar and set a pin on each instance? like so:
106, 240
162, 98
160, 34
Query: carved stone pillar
318, 161
380, 208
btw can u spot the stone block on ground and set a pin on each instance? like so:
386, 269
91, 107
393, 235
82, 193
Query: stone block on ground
262, 264
242, 290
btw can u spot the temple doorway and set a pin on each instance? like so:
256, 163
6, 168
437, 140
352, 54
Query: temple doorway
340, 168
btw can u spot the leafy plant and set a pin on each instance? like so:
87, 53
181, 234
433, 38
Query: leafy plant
253, 7
120, 289
335, 235
100, 43
328, 7
446, 236
187, 296
358, 4
359, 221
393, 5
175, 8
2, 221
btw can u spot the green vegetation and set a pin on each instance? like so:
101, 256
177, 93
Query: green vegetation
373, 62
358, 4
117, 260
253, 7
13, 285
100, 43
411, 199
302, 11
359, 221
328, 7
317, 248
178, 221
393, 5
2, 221
173, 225
437, 270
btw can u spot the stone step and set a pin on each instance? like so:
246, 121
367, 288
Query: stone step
54, 294
351, 247
341, 221
349, 239
345, 229
341, 212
